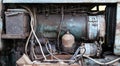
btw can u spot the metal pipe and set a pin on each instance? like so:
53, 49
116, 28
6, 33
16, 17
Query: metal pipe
107, 63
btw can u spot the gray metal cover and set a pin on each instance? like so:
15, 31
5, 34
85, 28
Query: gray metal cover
16, 23
60, 1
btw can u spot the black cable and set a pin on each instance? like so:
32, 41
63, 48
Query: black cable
59, 28
76, 57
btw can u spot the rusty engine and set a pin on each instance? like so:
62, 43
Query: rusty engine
59, 32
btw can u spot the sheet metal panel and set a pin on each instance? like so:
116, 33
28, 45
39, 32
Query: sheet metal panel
1, 27
117, 35
60, 1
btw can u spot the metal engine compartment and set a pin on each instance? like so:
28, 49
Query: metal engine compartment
59, 33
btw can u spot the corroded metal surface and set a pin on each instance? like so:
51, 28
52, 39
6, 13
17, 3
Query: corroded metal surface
91, 49
8, 36
117, 35
1, 25
92, 27
68, 40
62, 63
49, 64
60, 1
48, 26
78, 25
102, 25
16, 24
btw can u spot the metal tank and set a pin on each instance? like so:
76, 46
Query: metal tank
81, 26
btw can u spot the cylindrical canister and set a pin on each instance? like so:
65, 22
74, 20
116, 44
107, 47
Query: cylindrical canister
68, 40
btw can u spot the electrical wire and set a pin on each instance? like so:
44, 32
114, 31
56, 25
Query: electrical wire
37, 38
77, 51
49, 45
46, 56
35, 18
76, 57
26, 45
35, 24
32, 30
34, 53
59, 27
50, 52
107, 63
27, 42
